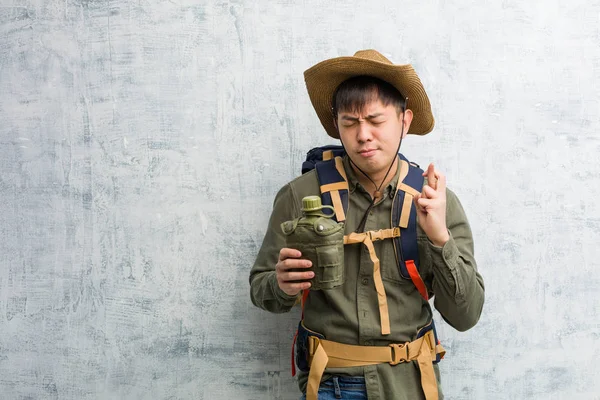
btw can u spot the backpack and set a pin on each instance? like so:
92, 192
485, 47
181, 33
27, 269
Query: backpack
404, 215
327, 161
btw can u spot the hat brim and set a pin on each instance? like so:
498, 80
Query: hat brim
323, 79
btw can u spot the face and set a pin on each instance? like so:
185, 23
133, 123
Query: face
371, 137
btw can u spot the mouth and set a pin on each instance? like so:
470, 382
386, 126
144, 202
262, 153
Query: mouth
367, 152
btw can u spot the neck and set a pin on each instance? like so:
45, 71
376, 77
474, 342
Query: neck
377, 178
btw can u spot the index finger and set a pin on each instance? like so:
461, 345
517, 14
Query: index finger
432, 177
289, 253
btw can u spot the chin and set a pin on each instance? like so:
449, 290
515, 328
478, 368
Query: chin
371, 166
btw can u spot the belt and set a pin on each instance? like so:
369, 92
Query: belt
325, 353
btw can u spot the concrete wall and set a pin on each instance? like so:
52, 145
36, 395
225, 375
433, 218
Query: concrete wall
142, 143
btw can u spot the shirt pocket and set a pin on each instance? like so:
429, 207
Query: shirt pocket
390, 271
388, 264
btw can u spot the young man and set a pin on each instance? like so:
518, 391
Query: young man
373, 336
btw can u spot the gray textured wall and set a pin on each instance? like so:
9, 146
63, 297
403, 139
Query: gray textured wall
142, 142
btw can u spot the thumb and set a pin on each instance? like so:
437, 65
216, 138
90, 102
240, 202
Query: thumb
420, 212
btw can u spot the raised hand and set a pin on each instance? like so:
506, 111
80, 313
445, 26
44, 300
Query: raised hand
431, 207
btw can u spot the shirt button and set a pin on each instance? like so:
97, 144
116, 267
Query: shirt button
365, 281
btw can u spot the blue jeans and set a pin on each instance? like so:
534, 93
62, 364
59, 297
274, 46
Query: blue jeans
342, 387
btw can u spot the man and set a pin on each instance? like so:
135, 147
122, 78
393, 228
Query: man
372, 336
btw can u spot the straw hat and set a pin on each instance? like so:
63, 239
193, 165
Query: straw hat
323, 79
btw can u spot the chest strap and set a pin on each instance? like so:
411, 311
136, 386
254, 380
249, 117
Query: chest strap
367, 238
325, 353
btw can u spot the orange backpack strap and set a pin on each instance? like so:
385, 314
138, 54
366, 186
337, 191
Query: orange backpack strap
404, 215
416, 278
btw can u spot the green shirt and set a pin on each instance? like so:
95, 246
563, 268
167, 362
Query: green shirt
350, 313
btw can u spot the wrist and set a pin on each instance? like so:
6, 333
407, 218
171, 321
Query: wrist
441, 240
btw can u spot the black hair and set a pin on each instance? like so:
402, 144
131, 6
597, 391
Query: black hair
354, 93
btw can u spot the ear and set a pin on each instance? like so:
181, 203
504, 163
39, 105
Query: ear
337, 128
408, 117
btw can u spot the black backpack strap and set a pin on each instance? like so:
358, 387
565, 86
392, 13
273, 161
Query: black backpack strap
322, 153
404, 215
334, 186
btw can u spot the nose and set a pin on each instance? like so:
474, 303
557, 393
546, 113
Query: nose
364, 133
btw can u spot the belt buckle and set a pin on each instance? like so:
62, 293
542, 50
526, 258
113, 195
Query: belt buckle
397, 357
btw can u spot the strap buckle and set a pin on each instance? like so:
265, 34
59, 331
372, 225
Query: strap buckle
383, 234
375, 235
313, 343
399, 353
429, 338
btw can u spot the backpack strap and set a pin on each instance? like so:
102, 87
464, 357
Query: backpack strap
404, 215
367, 239
334, 186
319, 154
302, 300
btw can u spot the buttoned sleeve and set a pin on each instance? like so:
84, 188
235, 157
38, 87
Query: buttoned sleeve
457, 285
